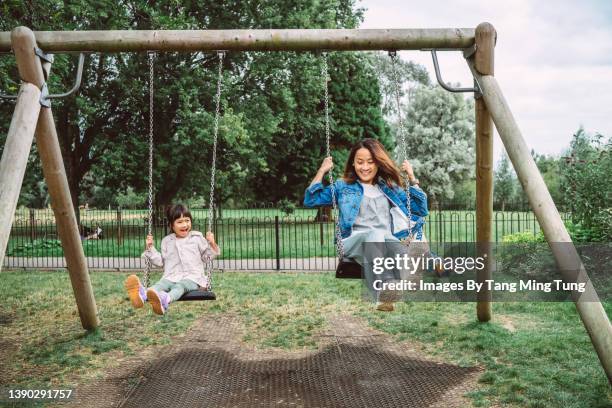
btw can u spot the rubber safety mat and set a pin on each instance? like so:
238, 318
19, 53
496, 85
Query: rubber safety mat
354, 365
344, 375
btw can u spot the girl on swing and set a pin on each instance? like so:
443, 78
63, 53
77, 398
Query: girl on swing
369, 193
183, 255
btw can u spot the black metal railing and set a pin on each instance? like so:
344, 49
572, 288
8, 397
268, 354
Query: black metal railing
260, 238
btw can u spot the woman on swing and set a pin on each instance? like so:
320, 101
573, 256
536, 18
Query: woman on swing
368, 194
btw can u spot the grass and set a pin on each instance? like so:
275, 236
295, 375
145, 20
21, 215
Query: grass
534, 354
255, 237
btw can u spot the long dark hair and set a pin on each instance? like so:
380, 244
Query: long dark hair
387, 169
176, 211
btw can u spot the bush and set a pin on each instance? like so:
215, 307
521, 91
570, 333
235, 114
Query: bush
286, 206
580, 233
525, 237
603, 222
33, 247
586, 187
577, 231
131, 199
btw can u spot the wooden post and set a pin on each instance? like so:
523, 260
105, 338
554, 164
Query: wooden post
591, 311
47, 142
15, 158
484, 61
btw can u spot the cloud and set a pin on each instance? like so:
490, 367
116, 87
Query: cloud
553, 60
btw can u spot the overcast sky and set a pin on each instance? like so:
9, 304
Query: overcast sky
553, 59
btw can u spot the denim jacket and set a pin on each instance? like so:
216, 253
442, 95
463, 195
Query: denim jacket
349, 196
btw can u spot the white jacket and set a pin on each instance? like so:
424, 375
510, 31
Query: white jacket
183, 260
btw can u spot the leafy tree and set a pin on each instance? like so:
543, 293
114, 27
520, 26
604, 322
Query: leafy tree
504, 183
549, 167
271, 108
585, 182
464, 197
440, 139
410, 75
294, 142
78, 124
130, 199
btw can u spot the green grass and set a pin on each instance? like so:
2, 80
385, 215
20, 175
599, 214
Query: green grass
534, 354
255, 238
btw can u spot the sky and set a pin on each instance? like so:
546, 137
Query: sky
553, 59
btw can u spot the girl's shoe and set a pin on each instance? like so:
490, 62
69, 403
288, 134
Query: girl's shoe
135, 291
158, 300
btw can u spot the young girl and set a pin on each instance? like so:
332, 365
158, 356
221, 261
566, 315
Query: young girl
369, 197
183, 253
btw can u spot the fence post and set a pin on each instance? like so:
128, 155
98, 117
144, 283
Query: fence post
32, 226
119, 232
214, 221
277, 239
321, 233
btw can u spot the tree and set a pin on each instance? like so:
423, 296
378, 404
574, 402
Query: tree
440, 140
78, 124
585, 173
549, 167
271, 109
293, 135
504, 183
410, 75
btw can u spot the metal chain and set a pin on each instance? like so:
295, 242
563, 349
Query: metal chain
209, 264
150, 213
402, 132
339, 245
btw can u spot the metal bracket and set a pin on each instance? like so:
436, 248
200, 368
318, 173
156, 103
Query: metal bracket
44, 96
45, 91
468, 52
43, 56
476, 89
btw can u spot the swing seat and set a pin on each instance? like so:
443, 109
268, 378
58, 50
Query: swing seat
349, 269
198, 294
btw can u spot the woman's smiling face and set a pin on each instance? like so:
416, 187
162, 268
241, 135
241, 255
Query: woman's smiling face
365, 166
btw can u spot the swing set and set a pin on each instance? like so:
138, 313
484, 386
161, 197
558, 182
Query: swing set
33, 116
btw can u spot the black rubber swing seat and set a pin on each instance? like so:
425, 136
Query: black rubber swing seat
349, 269
198, 294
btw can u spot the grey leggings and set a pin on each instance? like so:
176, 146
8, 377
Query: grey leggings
175, 289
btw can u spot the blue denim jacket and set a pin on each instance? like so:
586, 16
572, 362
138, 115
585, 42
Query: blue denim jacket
349, 196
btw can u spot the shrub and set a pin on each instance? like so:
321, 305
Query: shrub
286, 206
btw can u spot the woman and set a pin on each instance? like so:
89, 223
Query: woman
372, 205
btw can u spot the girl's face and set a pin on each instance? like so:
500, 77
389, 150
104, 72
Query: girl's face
181, 226
365, 166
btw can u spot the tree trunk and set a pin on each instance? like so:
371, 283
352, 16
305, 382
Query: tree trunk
324, 214
75, 190
434, 204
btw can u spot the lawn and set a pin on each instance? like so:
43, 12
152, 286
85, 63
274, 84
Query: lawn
533, 354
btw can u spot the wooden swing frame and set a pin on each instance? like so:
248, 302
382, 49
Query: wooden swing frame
30, 118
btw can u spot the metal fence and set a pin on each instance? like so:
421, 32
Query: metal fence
251, 239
